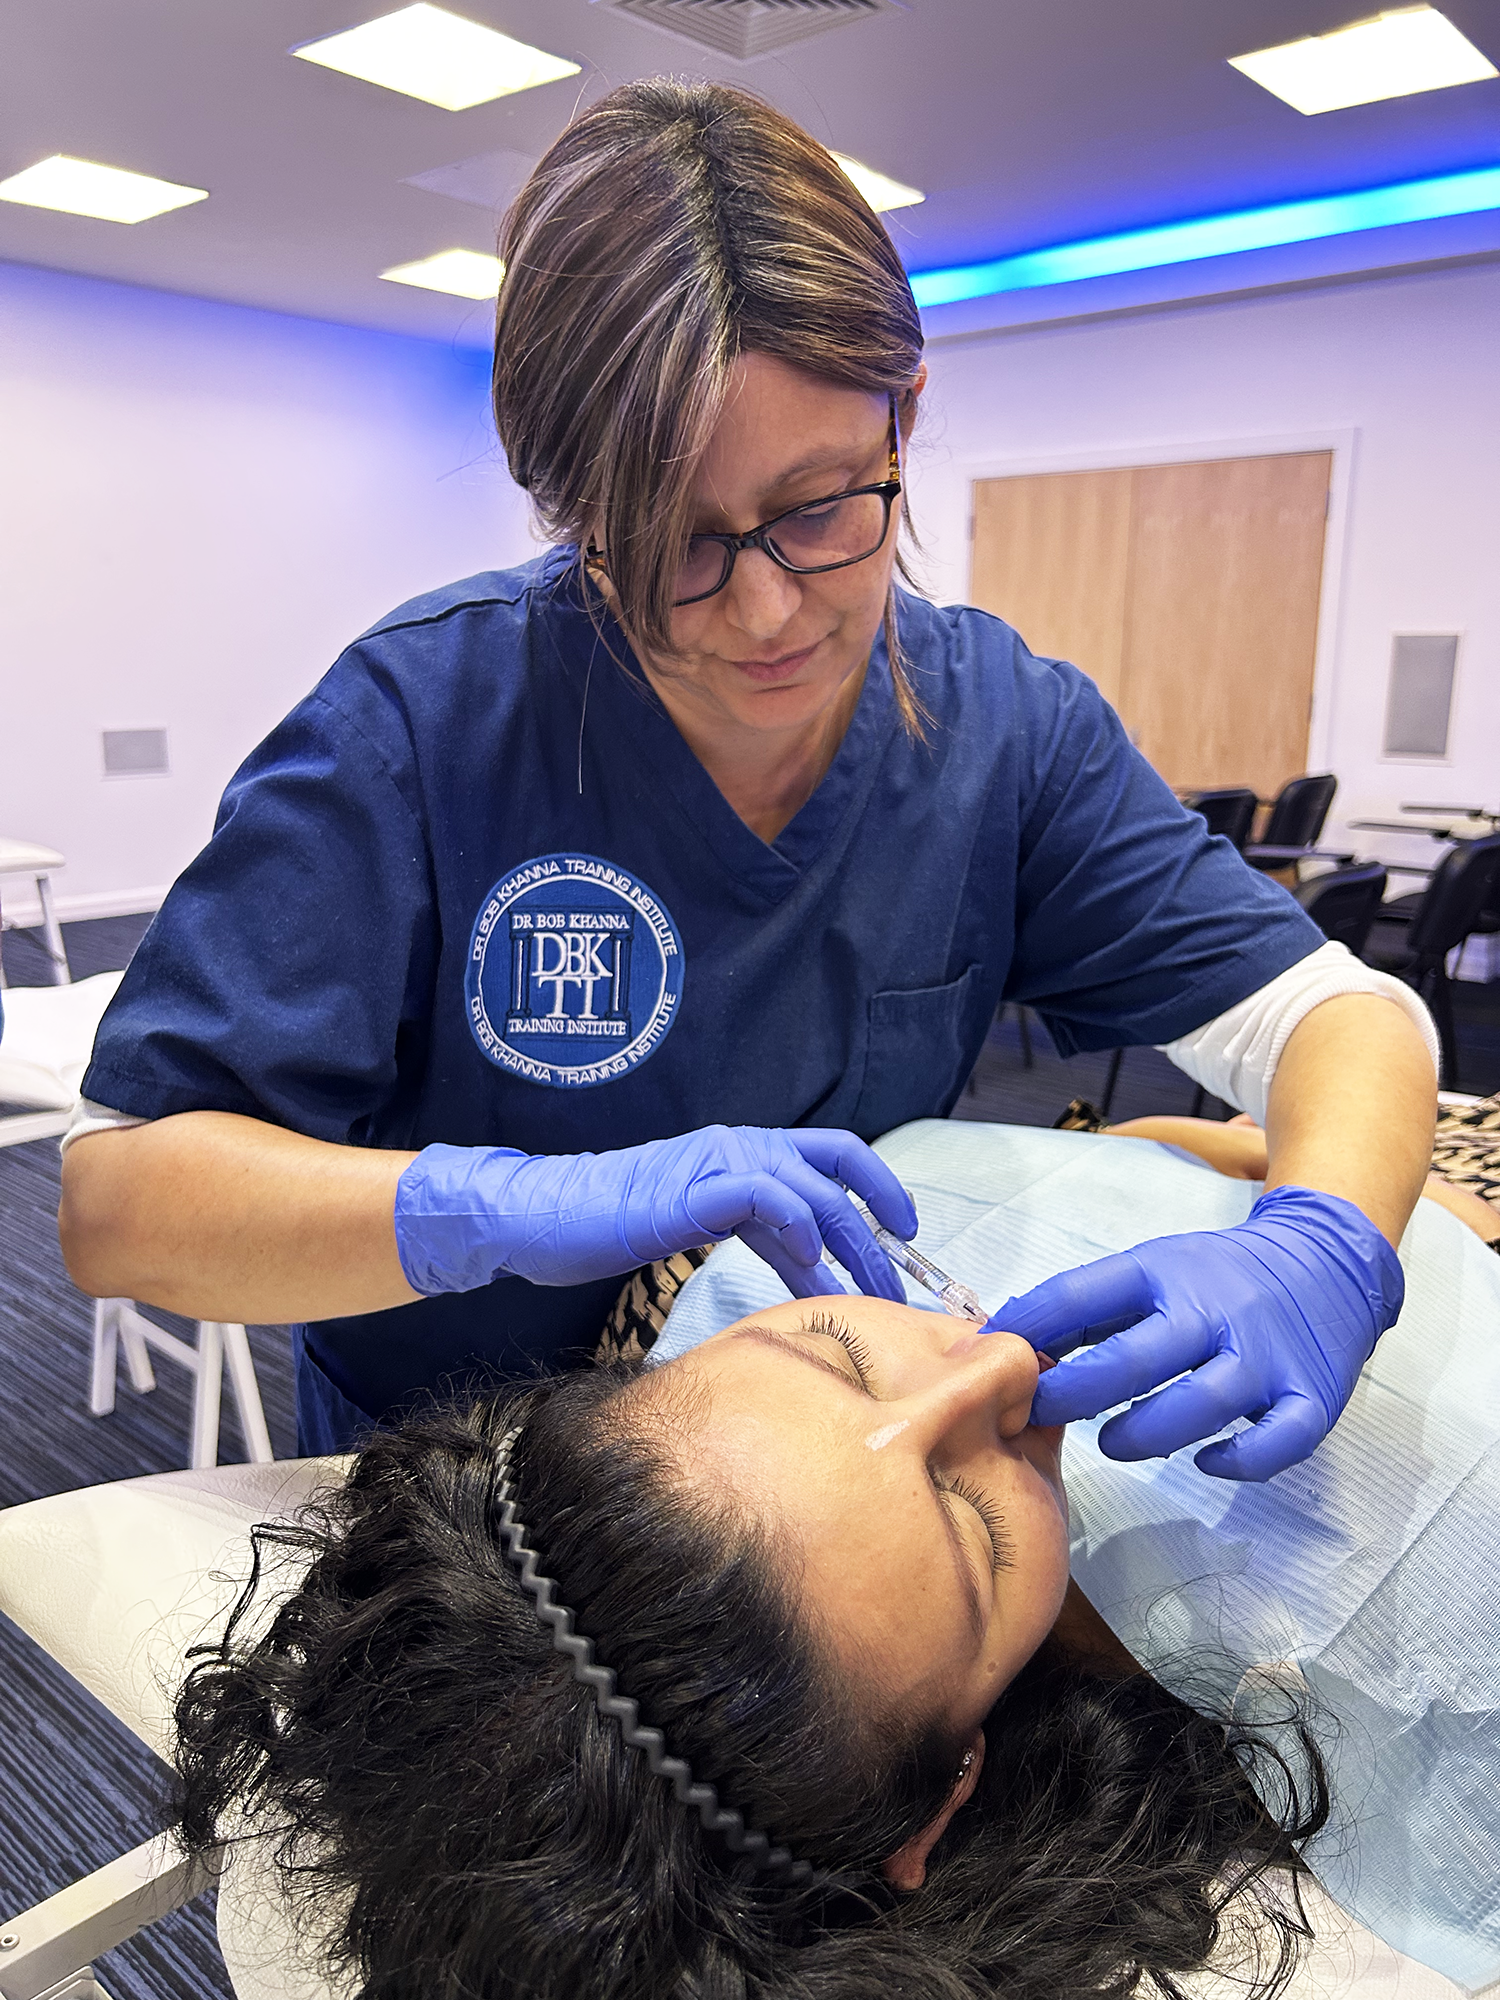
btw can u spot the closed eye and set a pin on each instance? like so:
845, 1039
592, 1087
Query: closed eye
849, 1340
1002, 1549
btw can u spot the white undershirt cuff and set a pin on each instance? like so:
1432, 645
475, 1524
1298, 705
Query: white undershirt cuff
89, 1117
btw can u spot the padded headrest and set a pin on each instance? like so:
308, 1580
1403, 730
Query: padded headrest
116, 1582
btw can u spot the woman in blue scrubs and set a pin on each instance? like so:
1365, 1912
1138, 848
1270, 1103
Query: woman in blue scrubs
594, 910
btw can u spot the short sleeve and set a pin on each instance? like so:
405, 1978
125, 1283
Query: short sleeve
1133, 924
288, 974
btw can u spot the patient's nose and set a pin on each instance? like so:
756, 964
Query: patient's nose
989, 1382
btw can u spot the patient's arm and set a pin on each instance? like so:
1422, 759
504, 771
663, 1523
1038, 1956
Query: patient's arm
222, 1217
1237, 1150
1471, 1209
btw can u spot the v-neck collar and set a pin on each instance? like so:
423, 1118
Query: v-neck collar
622, 701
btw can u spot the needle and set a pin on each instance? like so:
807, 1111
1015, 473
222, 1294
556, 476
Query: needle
954, 1298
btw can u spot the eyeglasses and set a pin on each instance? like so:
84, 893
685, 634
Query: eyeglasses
819, 535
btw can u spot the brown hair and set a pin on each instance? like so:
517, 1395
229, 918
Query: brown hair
670, 229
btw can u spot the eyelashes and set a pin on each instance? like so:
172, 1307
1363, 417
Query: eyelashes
1003, 1553
849, 1340
1002, 1549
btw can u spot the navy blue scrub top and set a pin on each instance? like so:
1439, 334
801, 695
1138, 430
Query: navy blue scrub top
476, 888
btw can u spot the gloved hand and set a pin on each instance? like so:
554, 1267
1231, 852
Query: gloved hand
1275, 1318
465, 1214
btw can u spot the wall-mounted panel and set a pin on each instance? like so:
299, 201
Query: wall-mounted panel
1419, 695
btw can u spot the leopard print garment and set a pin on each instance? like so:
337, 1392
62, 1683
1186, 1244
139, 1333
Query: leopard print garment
647, 1296
1466, 1151
1081, 1116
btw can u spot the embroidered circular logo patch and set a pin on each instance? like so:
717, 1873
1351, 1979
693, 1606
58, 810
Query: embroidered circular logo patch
575, 971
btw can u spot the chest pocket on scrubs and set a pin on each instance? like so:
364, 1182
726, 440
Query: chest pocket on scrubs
916, 1053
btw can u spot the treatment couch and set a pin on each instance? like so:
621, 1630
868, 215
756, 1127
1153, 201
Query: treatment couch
116, 1582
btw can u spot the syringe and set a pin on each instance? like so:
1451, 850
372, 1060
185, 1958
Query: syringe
952, 1296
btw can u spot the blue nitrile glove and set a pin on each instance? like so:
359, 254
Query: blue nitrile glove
466, 1214
1275, 1318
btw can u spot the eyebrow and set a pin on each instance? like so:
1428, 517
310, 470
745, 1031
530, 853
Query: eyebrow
769, 1337
819, 461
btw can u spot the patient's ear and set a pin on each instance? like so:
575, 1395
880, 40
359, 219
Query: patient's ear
907, 1867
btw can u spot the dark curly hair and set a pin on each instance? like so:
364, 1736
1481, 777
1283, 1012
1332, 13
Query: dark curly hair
431, 1773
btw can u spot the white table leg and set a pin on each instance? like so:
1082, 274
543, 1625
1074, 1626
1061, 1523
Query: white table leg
106, 1348
206, 1391
52, 933
246, 1389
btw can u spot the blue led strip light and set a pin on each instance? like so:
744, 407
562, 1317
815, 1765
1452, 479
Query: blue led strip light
1215, 236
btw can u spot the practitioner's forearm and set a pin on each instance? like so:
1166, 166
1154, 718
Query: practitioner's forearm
222, 1217
1352, 1109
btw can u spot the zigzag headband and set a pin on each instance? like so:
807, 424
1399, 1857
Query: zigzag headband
722, 1820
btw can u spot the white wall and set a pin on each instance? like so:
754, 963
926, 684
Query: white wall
1401, 375
200, 505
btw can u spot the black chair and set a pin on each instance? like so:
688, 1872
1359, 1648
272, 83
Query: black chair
1464, 886
1401, 910
1229, 810
1297, 816
1343, 903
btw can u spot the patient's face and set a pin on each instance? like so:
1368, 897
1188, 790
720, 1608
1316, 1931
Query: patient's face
894, 1445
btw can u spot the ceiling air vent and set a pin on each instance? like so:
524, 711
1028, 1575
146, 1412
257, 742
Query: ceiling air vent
747, 28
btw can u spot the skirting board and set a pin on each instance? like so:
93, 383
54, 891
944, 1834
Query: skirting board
23, 912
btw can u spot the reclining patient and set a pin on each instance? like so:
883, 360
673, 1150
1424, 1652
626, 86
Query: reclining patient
821, 1550
826, 1556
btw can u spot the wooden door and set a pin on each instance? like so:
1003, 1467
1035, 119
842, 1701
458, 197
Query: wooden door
1189, 592
1051, 556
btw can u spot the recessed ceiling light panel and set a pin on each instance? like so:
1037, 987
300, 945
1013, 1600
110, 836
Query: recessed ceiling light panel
424, 51
467, 274
83, 187
878, 189
1397, 54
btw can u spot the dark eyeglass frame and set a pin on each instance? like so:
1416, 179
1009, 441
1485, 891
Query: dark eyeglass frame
758, 538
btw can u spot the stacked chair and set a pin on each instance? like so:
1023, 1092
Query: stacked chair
1292, 830
1345, 902
1416, 933
44, 1050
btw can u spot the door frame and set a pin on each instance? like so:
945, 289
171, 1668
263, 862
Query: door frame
1342, 444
